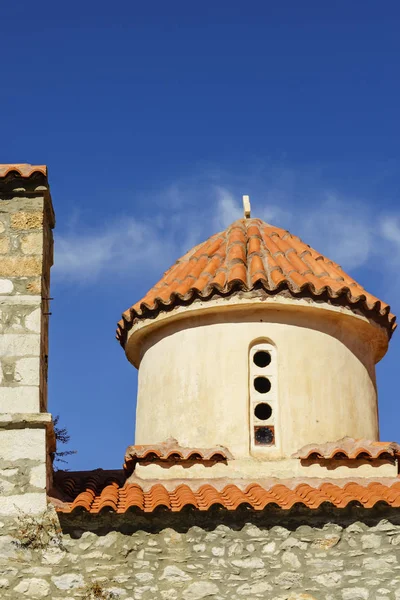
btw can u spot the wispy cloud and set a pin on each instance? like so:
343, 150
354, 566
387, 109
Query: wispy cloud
86, 255
340, 228
390, 231
186, 213
228, 208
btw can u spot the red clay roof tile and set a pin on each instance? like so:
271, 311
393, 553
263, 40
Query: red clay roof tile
349, 448
249, 255
23, 169
120, 497
171, 451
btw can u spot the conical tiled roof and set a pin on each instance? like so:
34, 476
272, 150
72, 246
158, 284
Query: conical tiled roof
251, 255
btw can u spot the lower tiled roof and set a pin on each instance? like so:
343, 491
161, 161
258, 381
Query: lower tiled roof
112, 493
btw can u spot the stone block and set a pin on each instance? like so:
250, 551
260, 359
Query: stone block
6, 286
68, 581
20, 204
22, 344
24, 300
11, 319
34, 286
202, 589
251, 589
31, 503
33, 588
4, 245
19, 399
16, 444
32, 243
355, 593
33, 320
27, 220
9, 550
37, 476
174, 574
20, 266
27, 370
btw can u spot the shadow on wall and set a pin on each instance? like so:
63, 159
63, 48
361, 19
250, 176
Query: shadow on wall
133, 520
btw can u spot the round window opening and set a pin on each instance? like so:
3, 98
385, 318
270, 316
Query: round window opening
262, 359
263, 411
262, 385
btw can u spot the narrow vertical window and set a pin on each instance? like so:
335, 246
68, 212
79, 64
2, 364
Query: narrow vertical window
263, 396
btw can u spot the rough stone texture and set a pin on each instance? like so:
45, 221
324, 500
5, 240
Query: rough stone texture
32, 243
15, 266
6, 286
27, 220
23, 470
22, 322
4, 245
41, 558
33, 286
24, 439
26, 248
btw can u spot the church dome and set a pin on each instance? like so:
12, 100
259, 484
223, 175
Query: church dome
252, 255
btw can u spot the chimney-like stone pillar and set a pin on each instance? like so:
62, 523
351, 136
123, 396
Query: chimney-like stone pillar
26, 255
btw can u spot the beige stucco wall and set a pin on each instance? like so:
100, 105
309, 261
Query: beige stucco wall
290, 470
194, 375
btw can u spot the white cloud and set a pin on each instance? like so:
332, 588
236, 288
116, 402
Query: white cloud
339, 228
390, 229
228, 208
185, 216
126, 243
342, 228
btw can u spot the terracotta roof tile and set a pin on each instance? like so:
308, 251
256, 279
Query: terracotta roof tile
22, 169
349, 448
249, 255
120, 497
171, 451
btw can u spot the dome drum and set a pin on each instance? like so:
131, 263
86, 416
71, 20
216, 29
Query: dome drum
255, 290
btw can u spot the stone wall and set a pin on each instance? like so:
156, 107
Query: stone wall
88, 557
26, 256
23, 469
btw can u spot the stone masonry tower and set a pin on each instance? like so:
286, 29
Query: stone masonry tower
26, 255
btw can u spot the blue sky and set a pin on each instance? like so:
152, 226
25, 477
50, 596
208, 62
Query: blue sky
154, 118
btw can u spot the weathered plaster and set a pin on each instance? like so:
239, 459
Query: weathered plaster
194, 378
253, 469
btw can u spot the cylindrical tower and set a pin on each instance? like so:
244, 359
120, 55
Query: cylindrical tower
256, 342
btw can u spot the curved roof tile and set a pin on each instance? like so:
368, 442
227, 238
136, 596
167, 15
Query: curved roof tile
349, 448
24, 170
121, 497
247, 256
172, 451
